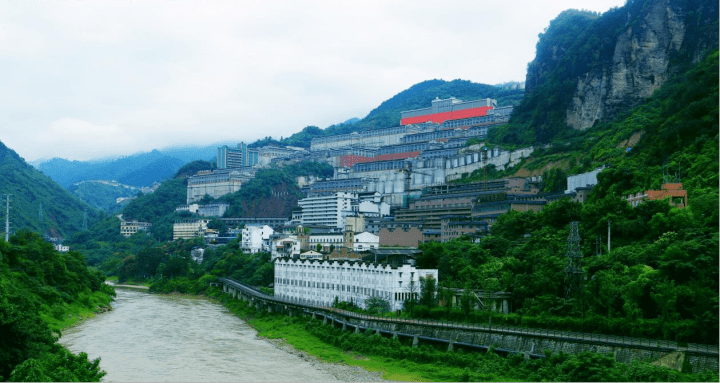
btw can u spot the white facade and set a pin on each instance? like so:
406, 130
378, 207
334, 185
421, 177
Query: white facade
582, 180
284, 246
256, 238
188, 229
328, 210
372, 209
325, 240
365, 241
320, 281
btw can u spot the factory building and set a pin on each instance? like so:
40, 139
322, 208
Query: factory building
454, 113
215, 183
391, 277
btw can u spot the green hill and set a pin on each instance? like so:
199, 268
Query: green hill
31, 192
103, 195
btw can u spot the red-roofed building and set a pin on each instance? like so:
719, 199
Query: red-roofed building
448, 110
673, 192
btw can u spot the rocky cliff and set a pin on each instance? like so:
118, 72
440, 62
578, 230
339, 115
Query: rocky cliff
641, 61
593, 67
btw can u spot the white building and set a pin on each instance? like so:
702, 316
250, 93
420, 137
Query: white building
365, 241
128, 228
582, 180
329, 210
215, 184
319, 282
191, 228
284, 245
325, 240
256, 238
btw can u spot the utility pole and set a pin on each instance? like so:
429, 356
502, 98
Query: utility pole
7, 217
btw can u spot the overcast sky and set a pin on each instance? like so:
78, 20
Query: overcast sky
92, 79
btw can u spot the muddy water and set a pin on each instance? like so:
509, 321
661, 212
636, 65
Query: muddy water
156, 338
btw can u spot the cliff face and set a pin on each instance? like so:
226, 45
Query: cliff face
639, 66
609, 64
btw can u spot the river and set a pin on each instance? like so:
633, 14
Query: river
156, 338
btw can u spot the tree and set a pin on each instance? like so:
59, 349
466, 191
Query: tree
428, 291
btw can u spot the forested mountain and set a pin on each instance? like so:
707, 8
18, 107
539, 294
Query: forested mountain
592, 68
136, 170
103, 195
417, 96
32, 192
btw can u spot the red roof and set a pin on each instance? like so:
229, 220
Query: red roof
445, 116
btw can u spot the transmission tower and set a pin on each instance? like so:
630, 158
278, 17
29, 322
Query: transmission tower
84, 226
573, 272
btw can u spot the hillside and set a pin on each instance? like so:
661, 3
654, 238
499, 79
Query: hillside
591, 68
103, 195
31, 190
137, 170
417, 96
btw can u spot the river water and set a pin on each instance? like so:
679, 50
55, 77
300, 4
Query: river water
156, 338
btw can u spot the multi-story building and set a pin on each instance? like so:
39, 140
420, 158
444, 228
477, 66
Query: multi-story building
256, 238
327, 241
239, 157
319, 282
128, 228
284, 246
190, 228
453, 226
209, 210
369, 138
489, 211
329, 210
459, 200
215, 184
274, 222
454, 113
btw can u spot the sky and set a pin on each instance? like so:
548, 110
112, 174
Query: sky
84, 80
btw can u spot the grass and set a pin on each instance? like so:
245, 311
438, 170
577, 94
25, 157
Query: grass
293, 331
129, 281
65, 315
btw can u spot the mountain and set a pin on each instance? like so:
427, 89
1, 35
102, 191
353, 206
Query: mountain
417, 96
137, 170
592, 68
32, 192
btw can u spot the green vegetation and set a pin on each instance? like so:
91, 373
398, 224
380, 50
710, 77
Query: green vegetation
41, 292
30, 189
103, 196
137, 170
398, 361
191, 168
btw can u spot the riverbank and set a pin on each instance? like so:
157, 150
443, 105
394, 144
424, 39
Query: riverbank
64, 316
291, 335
